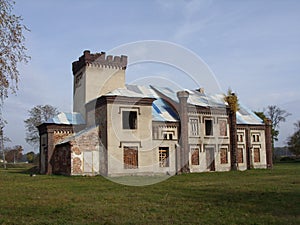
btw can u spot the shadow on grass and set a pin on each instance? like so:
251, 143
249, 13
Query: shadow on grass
24, 168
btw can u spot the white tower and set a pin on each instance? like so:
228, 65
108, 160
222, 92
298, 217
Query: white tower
96, 75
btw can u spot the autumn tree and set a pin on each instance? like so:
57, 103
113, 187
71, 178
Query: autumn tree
13, 154
294, 140
30, 157
12, 52
12, 48
37, 115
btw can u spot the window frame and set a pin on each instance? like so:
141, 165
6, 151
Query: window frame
133, 151
211, 133
193, 150
164, 162
194, 126
222, 150
129, 125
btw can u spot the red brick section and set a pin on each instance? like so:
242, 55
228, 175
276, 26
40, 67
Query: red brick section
233, 139
184, 146
268, 139
77, 166
55, 133
99, 59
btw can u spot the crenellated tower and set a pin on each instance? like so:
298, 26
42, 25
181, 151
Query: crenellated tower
96, 75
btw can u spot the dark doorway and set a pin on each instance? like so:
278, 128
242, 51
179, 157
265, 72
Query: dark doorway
210, 159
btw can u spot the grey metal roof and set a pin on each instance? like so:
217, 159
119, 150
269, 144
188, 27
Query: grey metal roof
73, 118
246, 116
162, 111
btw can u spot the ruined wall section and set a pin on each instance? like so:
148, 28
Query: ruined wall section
85, 152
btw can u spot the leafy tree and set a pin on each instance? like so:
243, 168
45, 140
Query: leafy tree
12, 48
294, 140
261, 115
30, 157
37, 115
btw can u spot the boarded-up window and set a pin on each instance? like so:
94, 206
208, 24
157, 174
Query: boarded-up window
224, 155
223, 127
240, 155
88, 162
256, 155
195, 156
130, 157
163, 157
129, 119
208, 127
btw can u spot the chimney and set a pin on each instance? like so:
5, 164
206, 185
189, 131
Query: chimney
201, 90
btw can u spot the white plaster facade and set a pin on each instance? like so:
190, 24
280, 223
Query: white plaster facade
150, 143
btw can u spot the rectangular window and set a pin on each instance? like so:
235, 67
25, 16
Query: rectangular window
194, 127
130, 157
223, 127
255, 137
168, 135
240, 155
224, 155
129, 119
240, 138
256, 154
208, 127
163, 157
195, 156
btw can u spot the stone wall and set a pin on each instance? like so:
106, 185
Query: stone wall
84, 149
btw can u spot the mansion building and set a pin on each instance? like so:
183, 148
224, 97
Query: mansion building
117, 129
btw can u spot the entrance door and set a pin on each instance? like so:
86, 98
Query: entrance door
210, 159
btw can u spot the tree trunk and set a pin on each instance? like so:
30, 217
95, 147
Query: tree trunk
233, 140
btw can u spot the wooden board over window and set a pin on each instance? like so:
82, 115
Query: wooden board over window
256, 154
223, 127
195, 156
224, 155
240, 155
130, 157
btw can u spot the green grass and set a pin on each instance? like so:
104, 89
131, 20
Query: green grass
250, 197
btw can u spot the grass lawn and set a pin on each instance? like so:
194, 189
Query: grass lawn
249, 197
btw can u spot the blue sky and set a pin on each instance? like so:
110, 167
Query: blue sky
251, 46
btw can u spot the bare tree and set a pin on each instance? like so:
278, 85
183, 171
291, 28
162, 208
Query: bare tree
12, 48
37, 115
277, 116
